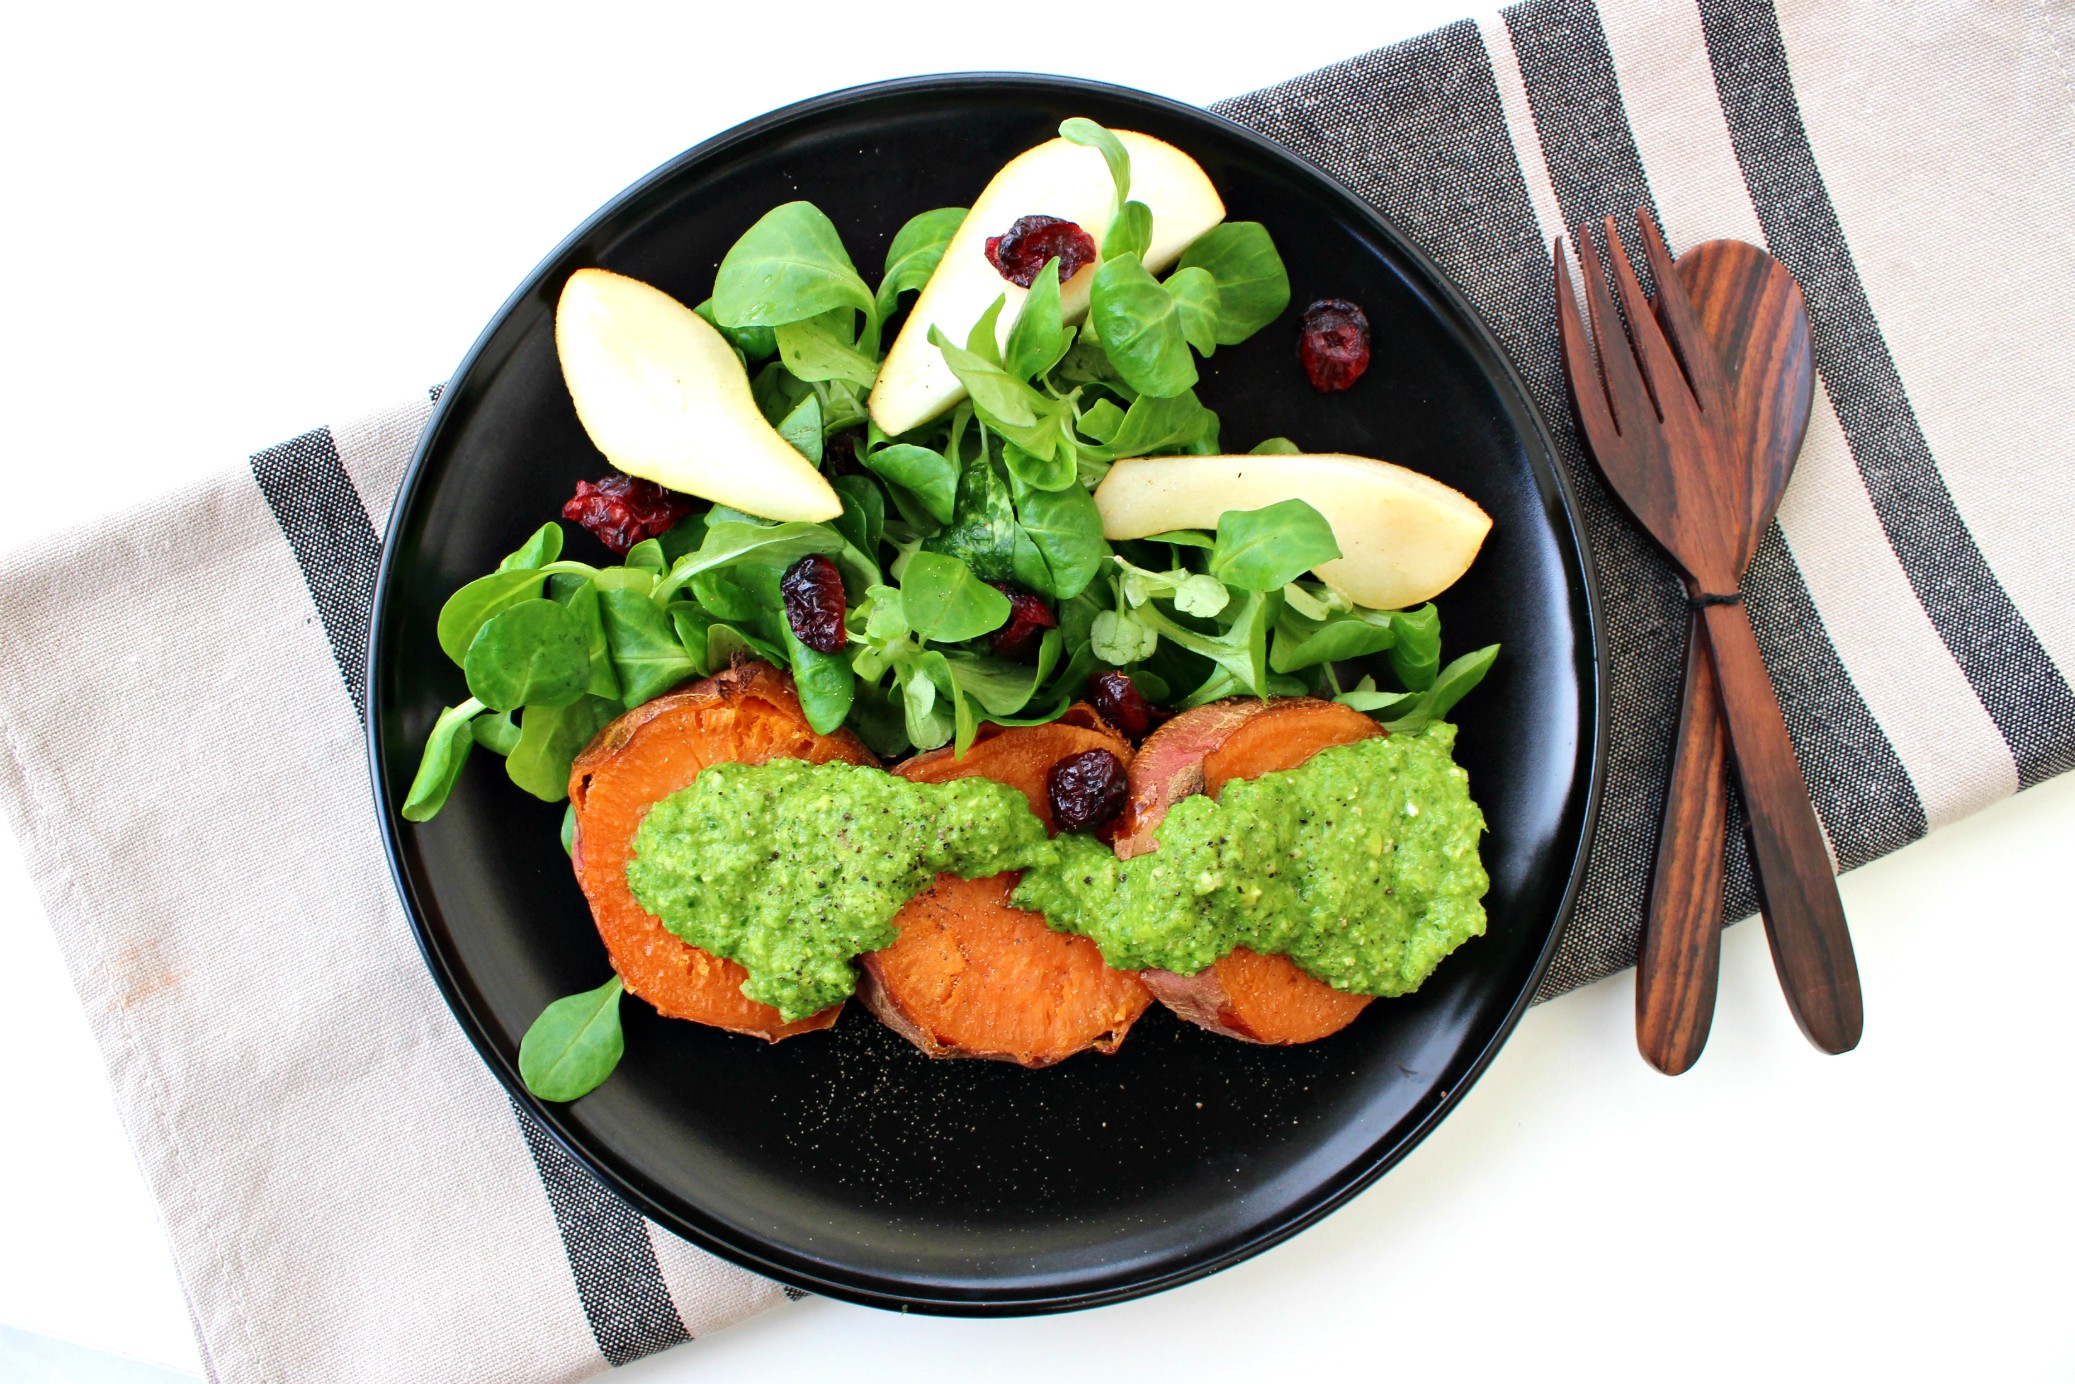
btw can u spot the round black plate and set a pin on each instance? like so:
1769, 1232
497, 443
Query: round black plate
846, 1162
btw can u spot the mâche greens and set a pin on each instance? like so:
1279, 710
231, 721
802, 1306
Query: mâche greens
996, 489
1361, 866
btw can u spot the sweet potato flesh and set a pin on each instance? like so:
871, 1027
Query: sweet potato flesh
1282, 737
1020, 756
973, 976
748, 715
1264, 999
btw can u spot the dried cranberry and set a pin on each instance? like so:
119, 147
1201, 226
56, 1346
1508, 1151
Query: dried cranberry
1086, 789
1022, 251
1118, 701
1334, 346
621, 511
839, 455
813, 591
1029, 618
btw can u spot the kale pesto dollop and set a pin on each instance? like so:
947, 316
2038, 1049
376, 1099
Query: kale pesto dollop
1360, 865
791, 869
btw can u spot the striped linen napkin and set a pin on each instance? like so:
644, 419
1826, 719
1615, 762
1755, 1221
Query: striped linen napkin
350, 1195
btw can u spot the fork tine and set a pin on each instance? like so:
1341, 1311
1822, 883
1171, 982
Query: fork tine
1675, 313
1667, 384
1633, 408
1587, 389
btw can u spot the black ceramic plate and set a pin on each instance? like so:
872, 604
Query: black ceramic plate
846, 1162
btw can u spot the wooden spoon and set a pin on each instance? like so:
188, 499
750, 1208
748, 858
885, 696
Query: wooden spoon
1750, 306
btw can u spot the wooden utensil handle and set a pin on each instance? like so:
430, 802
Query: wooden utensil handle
1682, 933
1804, 917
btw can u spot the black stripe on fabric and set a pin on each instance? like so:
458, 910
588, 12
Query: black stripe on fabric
1858, 784
2022, 690
610, 1257
1418, 129
618, 1280
1581, 123
334, 542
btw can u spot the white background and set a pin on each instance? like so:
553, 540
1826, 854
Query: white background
228, 225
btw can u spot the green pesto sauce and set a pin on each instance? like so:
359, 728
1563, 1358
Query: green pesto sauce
1361, 866
791, 869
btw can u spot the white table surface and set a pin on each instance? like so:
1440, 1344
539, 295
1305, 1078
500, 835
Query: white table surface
231, 224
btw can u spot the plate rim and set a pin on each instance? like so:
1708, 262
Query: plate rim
1352, 1182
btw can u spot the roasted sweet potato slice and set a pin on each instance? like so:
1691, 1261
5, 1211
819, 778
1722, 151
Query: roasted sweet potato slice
971, 975
974, 976
1261, 999
749, 714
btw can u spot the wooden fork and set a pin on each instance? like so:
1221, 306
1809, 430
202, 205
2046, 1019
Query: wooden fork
1667, 444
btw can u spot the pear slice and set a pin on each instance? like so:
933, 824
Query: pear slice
665, 397
1404, 538
1060, 179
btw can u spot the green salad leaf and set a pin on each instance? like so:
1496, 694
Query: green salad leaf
648, 657
1131, 233
549, 738
446, 752
1253, 288
1262, 549
928, 475
821, 348
538, 551
1140, 326
1083, 131
530, 653
1197, 299
574, 1044
1416, 654
913, 256
751, 343
1039, 339
945, 603
788, 267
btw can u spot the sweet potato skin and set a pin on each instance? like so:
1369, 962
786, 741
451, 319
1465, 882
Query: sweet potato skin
1257, 999
1169, 767
971, 975
748, 714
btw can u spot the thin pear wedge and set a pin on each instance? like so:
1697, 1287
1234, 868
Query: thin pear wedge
1404, 538
1057, 178
665, 397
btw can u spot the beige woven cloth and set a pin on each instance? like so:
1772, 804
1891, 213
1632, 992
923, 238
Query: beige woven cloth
351, 1196
347, 1190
